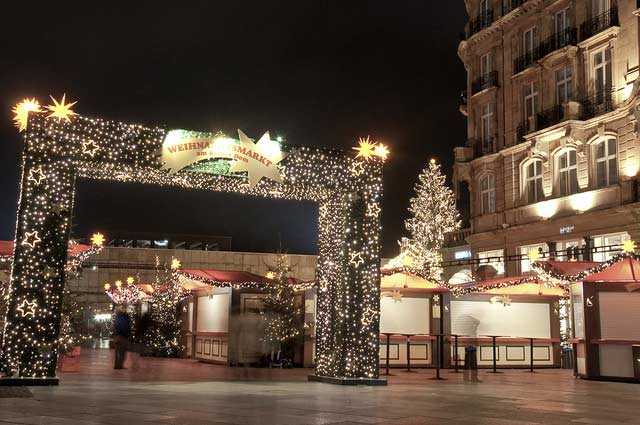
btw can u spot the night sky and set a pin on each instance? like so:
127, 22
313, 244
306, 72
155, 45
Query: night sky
319, 73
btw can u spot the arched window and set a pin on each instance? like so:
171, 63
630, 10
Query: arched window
606, 162
533, 181
567, 164
487, 194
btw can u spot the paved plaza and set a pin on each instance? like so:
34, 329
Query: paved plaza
168, 391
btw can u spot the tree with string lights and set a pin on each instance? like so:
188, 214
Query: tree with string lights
433, 215
282, 318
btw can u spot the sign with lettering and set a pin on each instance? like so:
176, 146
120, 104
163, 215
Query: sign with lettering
182, 149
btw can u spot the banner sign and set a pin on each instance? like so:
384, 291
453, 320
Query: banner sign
182, 149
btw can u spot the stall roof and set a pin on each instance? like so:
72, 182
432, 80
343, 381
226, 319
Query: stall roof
565, 268
6, 249
195, 278
625, 270
407, 280
511, 285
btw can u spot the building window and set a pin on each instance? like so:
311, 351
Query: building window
602, 74
486, 125
488, 194
606, 162
600, 7
493, 258
607, 246
563, 85
568, 172
528, 41
569, 250
525, 250
561, 23
533, 181
485, 65
530, 94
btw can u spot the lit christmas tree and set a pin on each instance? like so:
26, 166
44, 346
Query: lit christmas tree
282, 318
163, 335
434, 214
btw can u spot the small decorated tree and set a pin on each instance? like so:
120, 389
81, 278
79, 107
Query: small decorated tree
434, 214
282, 318
162, 336
72, 329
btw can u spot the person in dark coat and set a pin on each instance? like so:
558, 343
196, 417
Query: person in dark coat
121, 332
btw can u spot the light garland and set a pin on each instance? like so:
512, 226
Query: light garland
67, 146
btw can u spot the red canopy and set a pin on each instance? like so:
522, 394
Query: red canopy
565, 268
6, 249
228, 276
627, 270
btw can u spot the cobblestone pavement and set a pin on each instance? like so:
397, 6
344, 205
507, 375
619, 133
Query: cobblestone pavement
165, 391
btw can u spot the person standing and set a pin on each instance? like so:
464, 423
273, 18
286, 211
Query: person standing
121, 331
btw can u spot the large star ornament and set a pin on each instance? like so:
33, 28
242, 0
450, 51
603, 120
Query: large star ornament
257, 159
27, 308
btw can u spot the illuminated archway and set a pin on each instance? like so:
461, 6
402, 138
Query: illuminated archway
60, 149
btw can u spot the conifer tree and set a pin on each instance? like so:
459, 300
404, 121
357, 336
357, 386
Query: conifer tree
434, 214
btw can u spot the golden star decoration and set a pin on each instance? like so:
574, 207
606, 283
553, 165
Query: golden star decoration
130, 280
355, 258
118, 284
21, 112
357, 168
373, 210
628, 246
97, 239
175, 264
365, 148
31, 239
61, 110
258, 159
90, 148
36, 175
270, 275
534, 255
27, 308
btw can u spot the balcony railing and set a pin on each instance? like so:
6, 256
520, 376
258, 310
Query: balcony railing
554, 42
599, 23
481, 147
549, 117
563, 38
598, 103
479, 23
527, 59
509, 5
484, 82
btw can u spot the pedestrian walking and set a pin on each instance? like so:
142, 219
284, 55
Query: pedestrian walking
121, 332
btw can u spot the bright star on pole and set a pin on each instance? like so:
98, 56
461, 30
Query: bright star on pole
365, 148
628, 246
97, 239
61, 110
21, 112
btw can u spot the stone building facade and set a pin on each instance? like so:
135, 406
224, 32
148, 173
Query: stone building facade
118, 263
552, 156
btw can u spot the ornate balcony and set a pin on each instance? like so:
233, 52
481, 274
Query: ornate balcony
484, 82
479, 23
597, 104
527, 59
509, 5
549, 117
481, 147
566, 37
599, 23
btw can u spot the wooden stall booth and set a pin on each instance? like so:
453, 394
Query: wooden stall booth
605, 301
410, 315
517, 318
223, 323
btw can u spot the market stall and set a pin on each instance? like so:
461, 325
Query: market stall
409, 315
517, 318
606, 312
223, 323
